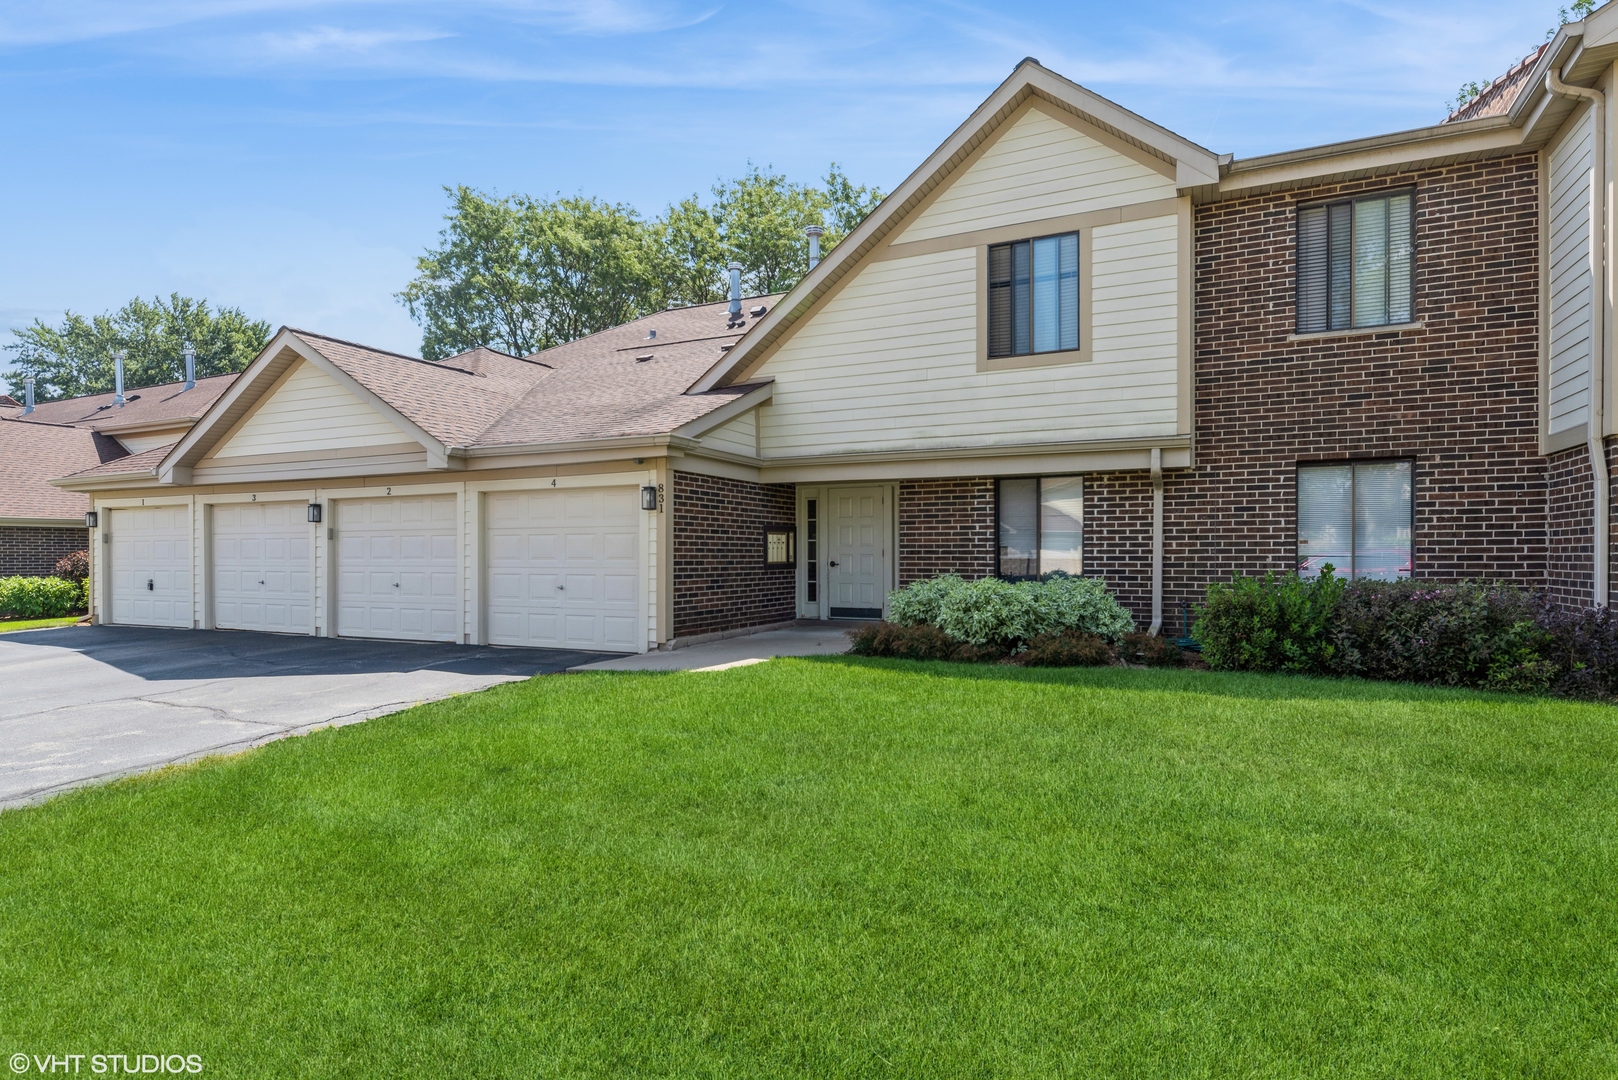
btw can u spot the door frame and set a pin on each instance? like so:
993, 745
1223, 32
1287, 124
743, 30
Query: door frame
820, 608
207, 508
107, 528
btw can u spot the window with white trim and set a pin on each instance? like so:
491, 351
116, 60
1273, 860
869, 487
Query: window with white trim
1040, 522
1356, 262
1357, 519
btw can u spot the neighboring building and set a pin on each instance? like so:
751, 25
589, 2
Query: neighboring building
40, 522
1070, 340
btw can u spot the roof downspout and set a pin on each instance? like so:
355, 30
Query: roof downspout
1157, 541
1597, 425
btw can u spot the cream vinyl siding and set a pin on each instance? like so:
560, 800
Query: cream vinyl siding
740, 436
1040, 168
1569, 276
150, 440
890, 362
310, 411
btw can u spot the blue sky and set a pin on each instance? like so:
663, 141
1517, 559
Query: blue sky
288, 156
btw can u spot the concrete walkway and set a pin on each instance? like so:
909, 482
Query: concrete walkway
807, 639
87, 703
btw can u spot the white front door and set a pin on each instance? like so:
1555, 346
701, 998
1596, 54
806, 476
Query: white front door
261, 571
857, 552
564, 569
398, 568
151, 566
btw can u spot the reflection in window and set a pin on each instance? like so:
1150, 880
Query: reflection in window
1040, 526
1357, 518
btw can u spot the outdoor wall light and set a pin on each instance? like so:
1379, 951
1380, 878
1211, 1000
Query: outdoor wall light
648, 498
91, 518
314, 513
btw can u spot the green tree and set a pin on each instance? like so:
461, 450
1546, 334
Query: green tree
76, 357
521, 274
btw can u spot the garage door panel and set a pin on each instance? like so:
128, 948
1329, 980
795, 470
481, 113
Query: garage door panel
262, 579
398, 568
564, 569
151, 566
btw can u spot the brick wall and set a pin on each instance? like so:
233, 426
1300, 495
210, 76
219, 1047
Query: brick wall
32, 551
1568, 565
1458, 396
720, 580
946, 526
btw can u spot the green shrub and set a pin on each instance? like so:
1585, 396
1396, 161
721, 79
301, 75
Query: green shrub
1007, 615
1142, 648
917, 604
1274, 623
40, 597
1067, 649
1465, 633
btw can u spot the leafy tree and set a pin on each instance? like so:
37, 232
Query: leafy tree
1470, 90
75, 358
521, 274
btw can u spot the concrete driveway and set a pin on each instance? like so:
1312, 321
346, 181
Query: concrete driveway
86, 703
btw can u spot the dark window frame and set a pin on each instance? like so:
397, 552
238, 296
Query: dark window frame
1009, 285
1385, 459
1039, 520
790, 532
1299, 263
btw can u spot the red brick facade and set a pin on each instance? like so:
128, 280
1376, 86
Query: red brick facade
720, 580
32, 551
1457, 396
946, 526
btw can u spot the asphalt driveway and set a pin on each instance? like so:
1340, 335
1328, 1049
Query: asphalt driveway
86, 703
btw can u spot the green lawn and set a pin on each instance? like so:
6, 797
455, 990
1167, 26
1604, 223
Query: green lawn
848, 868
9, 625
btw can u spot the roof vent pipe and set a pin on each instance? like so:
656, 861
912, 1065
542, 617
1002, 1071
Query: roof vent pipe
190, 366
814, 233
735, 291
118, 377
28, 395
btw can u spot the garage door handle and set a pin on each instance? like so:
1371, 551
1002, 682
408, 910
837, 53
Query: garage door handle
149, 586
395, 584
832, 563
561, 586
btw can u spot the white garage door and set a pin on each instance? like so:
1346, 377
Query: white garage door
565, 569
151, 566
398, 569
261, 571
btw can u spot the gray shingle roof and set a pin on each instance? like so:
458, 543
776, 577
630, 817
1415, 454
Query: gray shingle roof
618, 383
149, 404
32, 454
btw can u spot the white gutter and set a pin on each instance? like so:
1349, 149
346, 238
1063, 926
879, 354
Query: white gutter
1597, 423
1157, 541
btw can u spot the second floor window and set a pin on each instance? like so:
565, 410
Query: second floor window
1355, 263
1034, 296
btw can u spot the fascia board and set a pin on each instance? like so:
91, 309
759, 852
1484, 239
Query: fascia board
1028, 78
105, 483
147, 425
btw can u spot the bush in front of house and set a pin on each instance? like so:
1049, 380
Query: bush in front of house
919, 642
1143, 648
40, 597
1584, 651
1006, 615
1466, 633
74, 567
1274, 623
1067, 649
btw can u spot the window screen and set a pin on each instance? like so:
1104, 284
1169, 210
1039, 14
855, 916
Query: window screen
1356, 518
1034, 296
1356, 263
1040, 526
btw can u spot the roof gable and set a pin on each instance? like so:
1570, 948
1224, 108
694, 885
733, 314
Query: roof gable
1030, 86
311, 410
